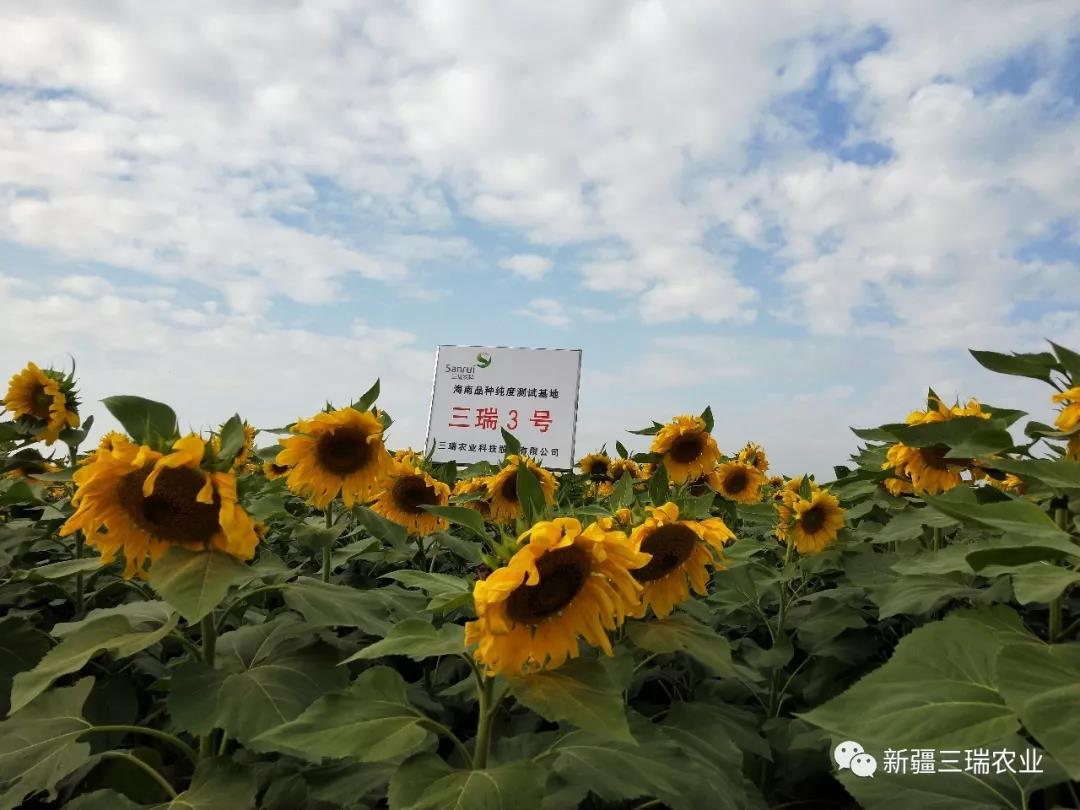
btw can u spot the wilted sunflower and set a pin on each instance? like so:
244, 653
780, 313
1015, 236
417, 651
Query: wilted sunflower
738, 481
754, 455
45, 398
407, 488
564, 583
147, 502
927, 468
682, 553
1069, 416
596, 465
688, 450
816, 521
502, 488
621, 466
337, 452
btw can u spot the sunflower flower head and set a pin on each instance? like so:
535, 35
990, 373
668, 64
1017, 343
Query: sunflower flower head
811, 523
622, 466
597, 466
754, 455
44, 400
1069, 416
564, 583
686, 448
681, 554
502, 488
333, 453
738, 481
477, 485
147, 501
407, 489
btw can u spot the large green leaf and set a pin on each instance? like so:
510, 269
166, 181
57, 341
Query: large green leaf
217, 785
195, 582
908, 525
389, 532
937, 691
1059, 473
146, 421
268, 674
967, 436
1021, 517
1020, 549
426, 782
1036, 366
21, 647
447, 592
1042, 582
919, 593
374, 611
373, 721
116, 632
416, 638
680, 633
462, 516
581, 692
39, 745
1041, 683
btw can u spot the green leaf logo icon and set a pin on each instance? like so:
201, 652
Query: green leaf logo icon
483, 360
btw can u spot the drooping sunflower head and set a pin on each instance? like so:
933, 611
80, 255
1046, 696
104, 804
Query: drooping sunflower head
815, 522
738, 482
754, 455
45, 400
502, 488
1069, 416
338, 452
407, 489
898, 486
621, 466
687, 449
146, 501
927, 468
563, 584
596, 466
681, 554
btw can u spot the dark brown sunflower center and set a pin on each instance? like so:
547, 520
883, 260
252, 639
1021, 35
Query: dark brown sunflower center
509, 488
562, 574
278, 469
344, 451
687, 448
171, 513
670, 546
40, 402
410, 492
736, 481
813, 519
699, 487
599, 468
935, 457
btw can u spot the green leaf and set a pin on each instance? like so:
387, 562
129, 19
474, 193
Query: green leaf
529, 494
391, 533
707, 417
21, 647
106, 799
119, 634
1022, 517
63, 569
1036, 366
620, 448
374, 611
372, 722
39, 745
966, 436
680, 633
368, 399
1041, 683
1069, 360
217, 785
623, 495
195, 582
416, 638
233, 439
936, 691
447, 592
461, 516
268, 674
918, 594
513, 446
659, 486
580, 692
1042, 582
1059, 473
426, 782
146, 421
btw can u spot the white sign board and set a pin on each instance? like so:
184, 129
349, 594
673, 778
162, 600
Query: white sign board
481, 390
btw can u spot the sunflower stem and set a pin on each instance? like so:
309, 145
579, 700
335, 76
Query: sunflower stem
327, 553
483, 722
1053, 632
938, 537
80, 585
209, 642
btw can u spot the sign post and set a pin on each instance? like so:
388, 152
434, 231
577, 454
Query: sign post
530, 393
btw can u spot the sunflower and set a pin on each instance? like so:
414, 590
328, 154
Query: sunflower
467, 486
406, 489
45, 398
738, 481
682, 552
601, 489
816, 521
754, 455
111, 440
147, 502
620, 466
899, 486
337, 452
409, 456
246, 452
687, 449
927, 468
596, 465
273, 470
502, 488
1069, 417
1072, 449
624, 516
785, 499
565, 583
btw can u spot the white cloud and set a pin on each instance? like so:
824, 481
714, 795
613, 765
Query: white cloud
528, 266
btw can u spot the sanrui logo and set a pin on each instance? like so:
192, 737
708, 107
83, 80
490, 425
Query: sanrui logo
483, 360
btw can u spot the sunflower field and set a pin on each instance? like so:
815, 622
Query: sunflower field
302, 617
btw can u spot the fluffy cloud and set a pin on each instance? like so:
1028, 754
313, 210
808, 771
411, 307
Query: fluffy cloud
528, 266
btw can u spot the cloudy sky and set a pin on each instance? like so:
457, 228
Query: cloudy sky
801, 213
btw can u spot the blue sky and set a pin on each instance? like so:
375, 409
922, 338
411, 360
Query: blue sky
802, 215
